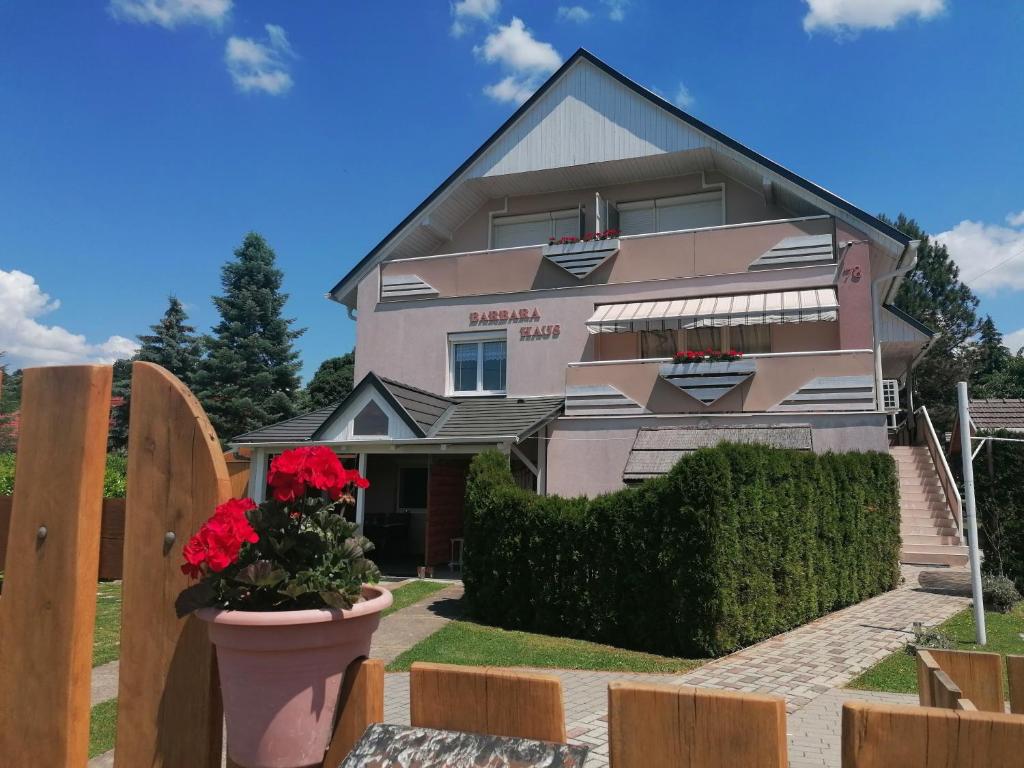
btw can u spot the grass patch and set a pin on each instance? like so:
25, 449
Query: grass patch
463, 642
413, 592
102, 727
898, 672
106, 642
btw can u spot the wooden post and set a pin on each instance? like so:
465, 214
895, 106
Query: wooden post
361, 703
49, 600
979, 675
926, 667
1015, 674
169, 711
668, 726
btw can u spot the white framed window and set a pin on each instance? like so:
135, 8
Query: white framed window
668, 214
477, 363
534, 228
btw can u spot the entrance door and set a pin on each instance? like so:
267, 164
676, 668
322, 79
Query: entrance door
412, 501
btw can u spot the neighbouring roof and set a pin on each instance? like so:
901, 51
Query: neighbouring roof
657, 449
997, 413
476, 179
427, 414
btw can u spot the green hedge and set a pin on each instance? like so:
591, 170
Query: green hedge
1000, 499
735, 544
113, 480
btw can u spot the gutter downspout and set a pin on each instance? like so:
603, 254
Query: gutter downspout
876, 312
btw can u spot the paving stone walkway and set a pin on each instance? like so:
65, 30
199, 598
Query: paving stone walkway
806, 666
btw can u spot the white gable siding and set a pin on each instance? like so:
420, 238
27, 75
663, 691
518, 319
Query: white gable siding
586, 117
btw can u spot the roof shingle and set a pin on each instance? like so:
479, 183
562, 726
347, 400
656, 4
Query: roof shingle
998, 413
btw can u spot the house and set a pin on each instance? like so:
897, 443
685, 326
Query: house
533, 303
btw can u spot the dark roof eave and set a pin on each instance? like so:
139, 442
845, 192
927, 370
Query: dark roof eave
873, 221
910, 319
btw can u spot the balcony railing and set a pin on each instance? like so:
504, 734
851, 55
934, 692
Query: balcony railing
729, 249
796, 382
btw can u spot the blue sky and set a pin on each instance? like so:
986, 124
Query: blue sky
141, 139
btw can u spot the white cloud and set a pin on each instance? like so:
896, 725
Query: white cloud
171, 13
990, 256
1015, 219
1014, 341
260, 65
576, 13
468, 11
683, 97
616, 9
529, 60
515, 46
29, 342
848, 16
511, 89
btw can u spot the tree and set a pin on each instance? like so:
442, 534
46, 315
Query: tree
934, 294
120, 405
1007, 381
173, 343
250, 375
332, 381
990, 356
8, 442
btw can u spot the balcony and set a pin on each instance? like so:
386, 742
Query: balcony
807, 382
729, 249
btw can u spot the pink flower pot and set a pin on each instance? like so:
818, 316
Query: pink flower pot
281, 674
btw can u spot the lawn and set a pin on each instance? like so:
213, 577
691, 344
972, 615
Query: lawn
106, 639
463, 642
413, 592
898, 672
102, 727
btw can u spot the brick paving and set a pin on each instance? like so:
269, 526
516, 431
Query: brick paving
403, 629
806, 666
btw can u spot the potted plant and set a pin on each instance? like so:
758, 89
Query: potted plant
286, 591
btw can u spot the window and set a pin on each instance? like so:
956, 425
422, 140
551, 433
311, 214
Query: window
478, 364
668, 214
371, 421
534, 228
748, 339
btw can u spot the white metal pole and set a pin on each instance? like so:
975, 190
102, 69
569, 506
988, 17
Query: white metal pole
970, 512
361, 494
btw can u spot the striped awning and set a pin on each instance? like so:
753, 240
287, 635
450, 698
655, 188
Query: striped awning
716, 311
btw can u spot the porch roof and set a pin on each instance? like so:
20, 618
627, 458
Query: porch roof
702, 311
656, 450
435, 417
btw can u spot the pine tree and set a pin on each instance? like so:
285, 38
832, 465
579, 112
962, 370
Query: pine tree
934, 294
250, 375
120, 405
332, 381
990, 356
173, 344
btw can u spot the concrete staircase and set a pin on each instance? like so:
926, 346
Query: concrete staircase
930, 536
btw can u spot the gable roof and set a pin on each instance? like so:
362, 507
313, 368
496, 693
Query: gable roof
697, 135
426, 414
997, 413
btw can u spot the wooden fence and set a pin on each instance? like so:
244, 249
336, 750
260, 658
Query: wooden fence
169, 710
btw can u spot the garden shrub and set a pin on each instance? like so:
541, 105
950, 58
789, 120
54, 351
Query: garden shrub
114, 479
1000, 500
735, 544
999, 593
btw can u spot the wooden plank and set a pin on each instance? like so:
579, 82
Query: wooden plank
979, 675
447, 697
169, 712
49, 599
966, 705
661, 726
1015, 674
525, 705
494, 701
945, 693
886, 736
361, 703
926, 666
